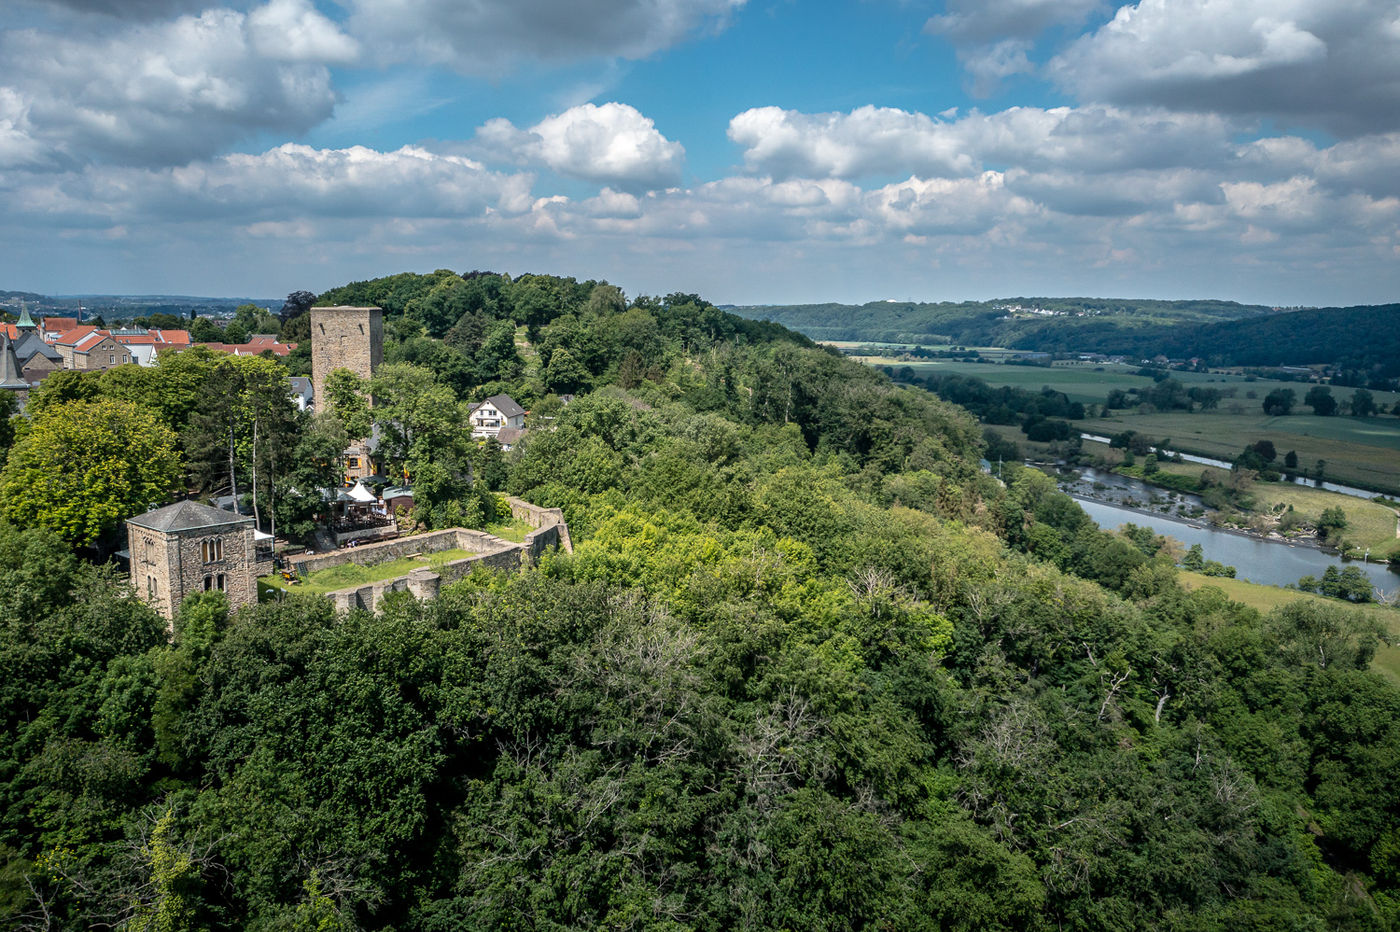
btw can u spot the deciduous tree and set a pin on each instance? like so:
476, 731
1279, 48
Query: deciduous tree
85, 466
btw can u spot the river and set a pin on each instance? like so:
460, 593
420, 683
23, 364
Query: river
1271, 562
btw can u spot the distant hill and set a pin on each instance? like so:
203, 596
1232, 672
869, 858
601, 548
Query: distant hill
1364, 338
126, 306
1005, 322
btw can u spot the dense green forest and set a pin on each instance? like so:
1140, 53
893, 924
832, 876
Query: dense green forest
1364, 340
807, 668
990, 323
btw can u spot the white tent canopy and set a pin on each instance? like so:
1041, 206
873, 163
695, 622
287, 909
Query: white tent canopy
359, 494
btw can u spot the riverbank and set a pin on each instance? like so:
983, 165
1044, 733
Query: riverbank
1272, 510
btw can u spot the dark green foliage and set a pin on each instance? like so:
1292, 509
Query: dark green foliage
805, 669
1279, 402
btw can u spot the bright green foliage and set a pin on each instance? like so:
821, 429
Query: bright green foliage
84, 467
347, 398
172, 874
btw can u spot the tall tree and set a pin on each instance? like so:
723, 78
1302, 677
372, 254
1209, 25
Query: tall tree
1320, 399
1363, 403
297, 303
85, 466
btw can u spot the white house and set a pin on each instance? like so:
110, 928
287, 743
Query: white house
301, 391
488, 417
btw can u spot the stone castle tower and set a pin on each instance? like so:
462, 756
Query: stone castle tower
346, 338
188, 547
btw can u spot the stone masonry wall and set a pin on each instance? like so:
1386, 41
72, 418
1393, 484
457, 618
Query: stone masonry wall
370, 595
550, 528
344, 338
432, 542
550, 531
175, 562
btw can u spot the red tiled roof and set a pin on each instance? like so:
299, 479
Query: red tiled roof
73, 335
91, 340
10, 331
59, 324
172, 337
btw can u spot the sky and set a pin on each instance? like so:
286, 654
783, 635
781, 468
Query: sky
750, 151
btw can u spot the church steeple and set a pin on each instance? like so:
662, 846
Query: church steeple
25, 322
10, 377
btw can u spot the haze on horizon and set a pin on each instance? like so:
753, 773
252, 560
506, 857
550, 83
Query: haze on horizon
752, 151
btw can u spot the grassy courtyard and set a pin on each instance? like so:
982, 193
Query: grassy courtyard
354, 574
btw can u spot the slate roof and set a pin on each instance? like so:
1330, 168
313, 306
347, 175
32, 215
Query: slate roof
502, 403
9, 367
31, 345
187, 516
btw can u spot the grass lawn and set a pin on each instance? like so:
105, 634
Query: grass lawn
1369, 524
514, 532
1361, 451
1265, 598
353, 574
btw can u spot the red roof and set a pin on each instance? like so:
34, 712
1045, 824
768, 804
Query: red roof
73, 335
59, 324
172, 337
92, 339
10, 330
161, 338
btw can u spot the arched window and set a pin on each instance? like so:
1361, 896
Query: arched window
212, 550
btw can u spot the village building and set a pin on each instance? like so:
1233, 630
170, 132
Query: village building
145, 345
88, 349
256, 346
489, 417
36, 358
11, 378
51, 328
188, 547
299, 386
350, 338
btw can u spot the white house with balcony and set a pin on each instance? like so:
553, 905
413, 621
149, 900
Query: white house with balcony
490, 416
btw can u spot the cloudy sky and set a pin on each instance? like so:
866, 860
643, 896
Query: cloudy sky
753, 151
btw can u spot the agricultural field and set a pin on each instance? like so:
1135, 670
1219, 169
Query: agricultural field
1090, 383
1266, 598
1357, 451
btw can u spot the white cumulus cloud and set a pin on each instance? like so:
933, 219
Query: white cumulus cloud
293, 30
165, 93
1328, 63
872, 141
612, 144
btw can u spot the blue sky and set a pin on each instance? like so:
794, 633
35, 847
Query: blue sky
753, 151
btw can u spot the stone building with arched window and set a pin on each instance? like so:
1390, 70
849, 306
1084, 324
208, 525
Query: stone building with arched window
188, 547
